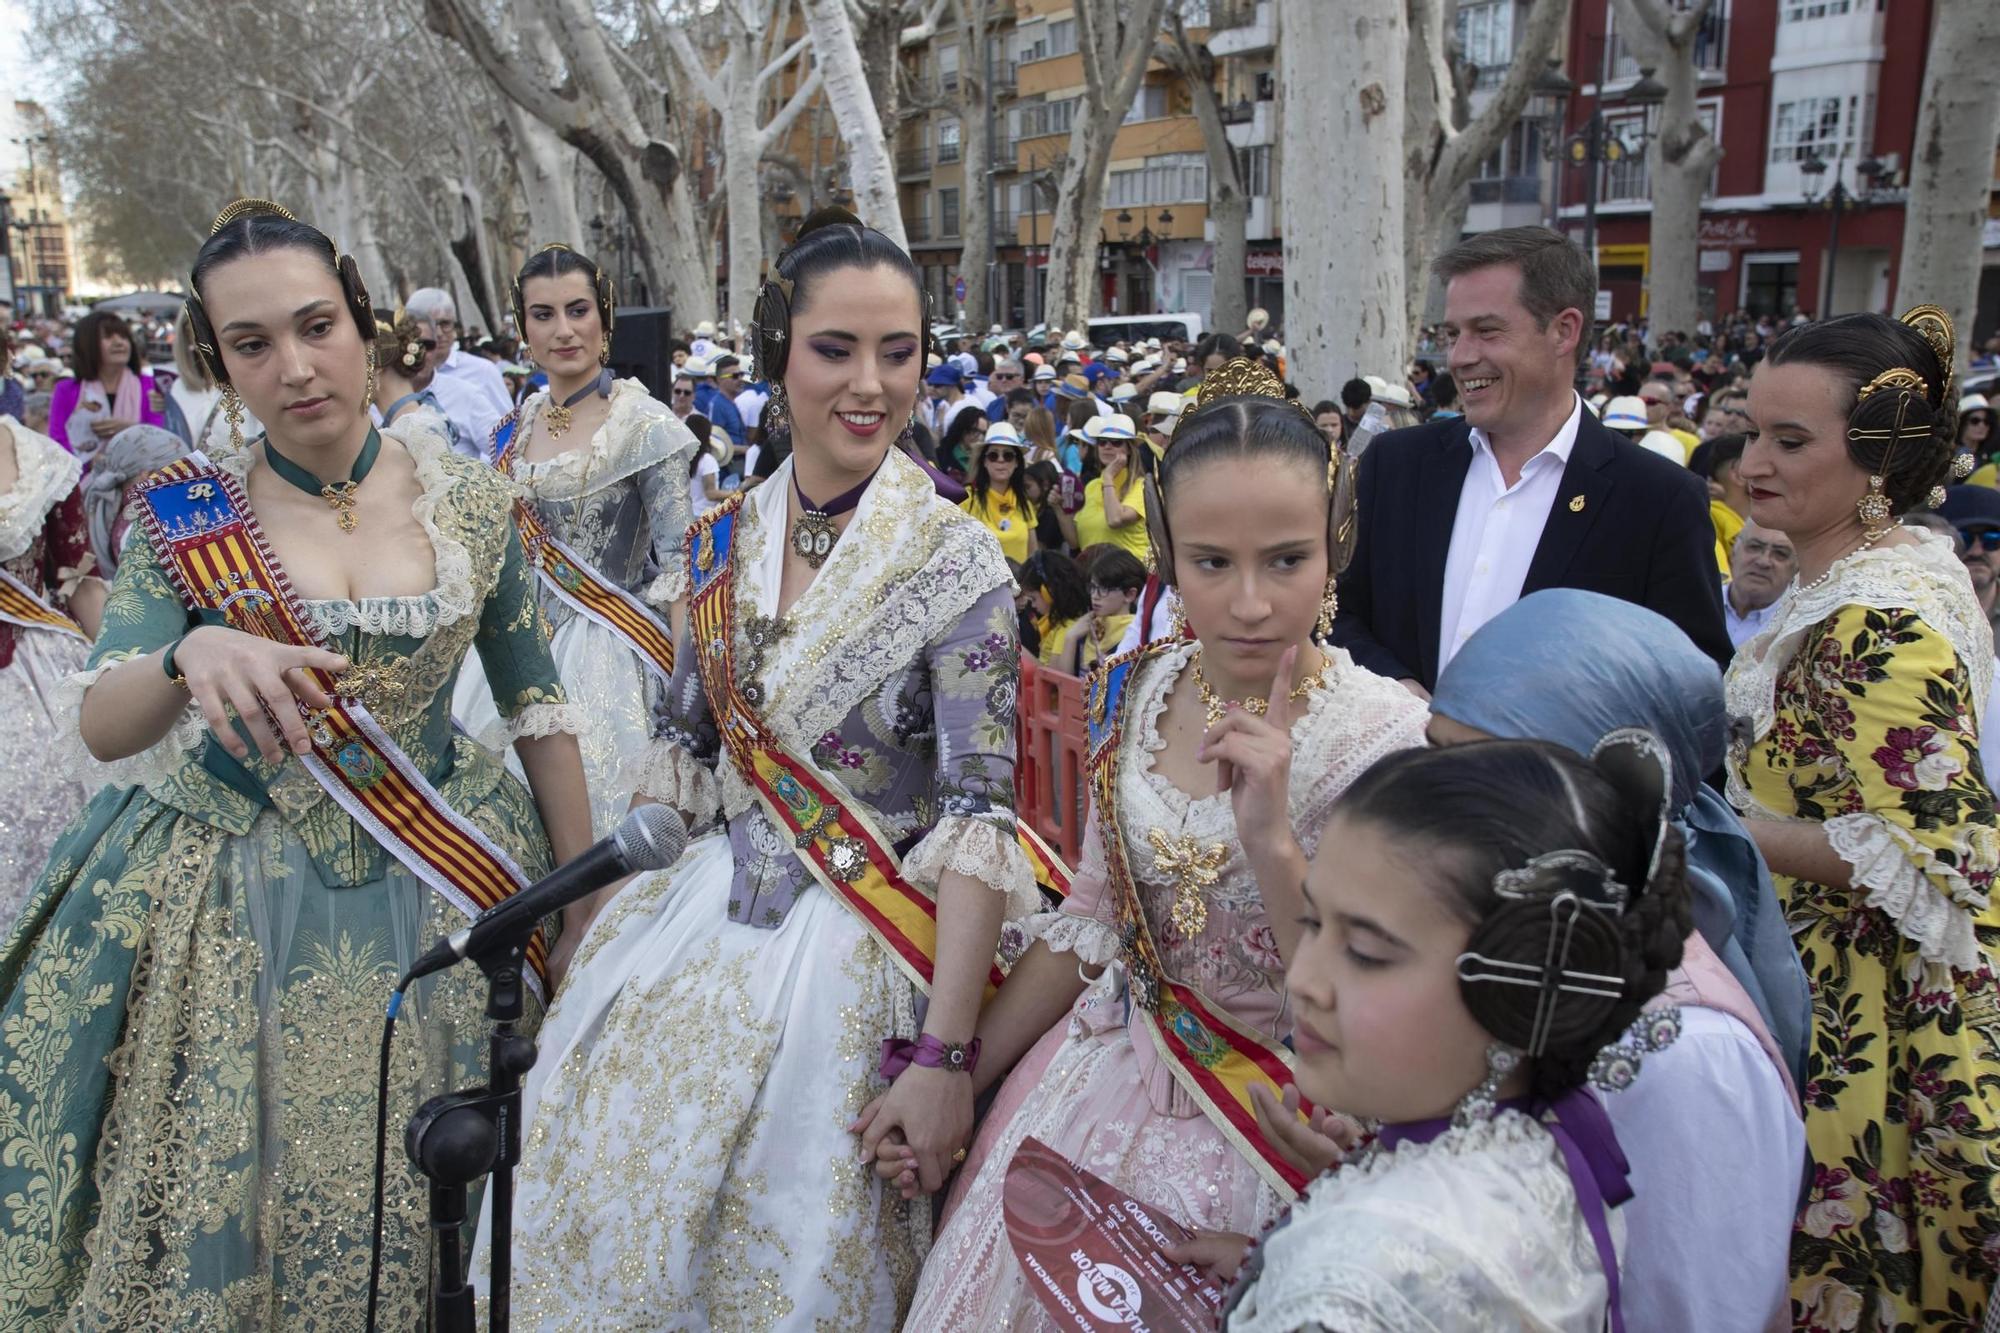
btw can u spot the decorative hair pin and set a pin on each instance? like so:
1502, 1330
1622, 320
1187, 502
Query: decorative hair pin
1551, 978
1246, 378
245, 208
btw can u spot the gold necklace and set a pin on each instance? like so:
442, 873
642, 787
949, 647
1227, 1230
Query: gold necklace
1216, 707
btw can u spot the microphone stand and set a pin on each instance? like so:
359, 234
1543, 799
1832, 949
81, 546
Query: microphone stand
457, 1137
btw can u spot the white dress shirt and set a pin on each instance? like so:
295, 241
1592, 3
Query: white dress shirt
1745, 627
1494, 537
472, 393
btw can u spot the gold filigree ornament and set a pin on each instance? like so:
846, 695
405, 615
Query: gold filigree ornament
1195, 870
1934, 325
247, 207
1245, 378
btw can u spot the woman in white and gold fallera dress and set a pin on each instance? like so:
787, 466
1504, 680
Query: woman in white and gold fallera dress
604, 466
691, 1158
44, 548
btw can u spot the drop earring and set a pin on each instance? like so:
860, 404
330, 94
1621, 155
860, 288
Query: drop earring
1329, 606
1177, 625
368, 399
1483, 1100
232, 412
1873, 509
604, 350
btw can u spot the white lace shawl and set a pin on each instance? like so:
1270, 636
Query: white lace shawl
1354, 718
1897, 871
1477, 1231
48, 473
907, 568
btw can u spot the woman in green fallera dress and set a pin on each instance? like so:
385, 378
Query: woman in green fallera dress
189, 1003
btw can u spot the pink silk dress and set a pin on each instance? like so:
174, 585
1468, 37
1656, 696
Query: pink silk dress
1094, 1089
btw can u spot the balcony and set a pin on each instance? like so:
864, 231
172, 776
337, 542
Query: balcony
1241, 27
947, 154
917, 230
913, 162
1507, 190
1005, 225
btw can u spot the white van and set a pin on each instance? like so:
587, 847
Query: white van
1131, 328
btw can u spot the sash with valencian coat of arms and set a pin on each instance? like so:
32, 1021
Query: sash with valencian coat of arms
1215, 1058
215, 551
832, 835
572, 578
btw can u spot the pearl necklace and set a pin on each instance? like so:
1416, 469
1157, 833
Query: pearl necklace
1867, 541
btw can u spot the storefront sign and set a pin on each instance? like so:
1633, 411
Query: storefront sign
1715, 261
1264, 264
1728, 231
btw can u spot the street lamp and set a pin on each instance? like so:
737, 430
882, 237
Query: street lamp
1868, 174
1595, 145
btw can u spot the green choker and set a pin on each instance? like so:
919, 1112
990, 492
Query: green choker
338, 494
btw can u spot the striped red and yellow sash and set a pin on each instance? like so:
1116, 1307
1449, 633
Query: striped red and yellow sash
570, 577
215, 551
1214, 1057
831, 833
20, 606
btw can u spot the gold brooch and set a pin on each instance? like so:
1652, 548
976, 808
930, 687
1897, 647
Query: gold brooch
1195, 869
1576, 504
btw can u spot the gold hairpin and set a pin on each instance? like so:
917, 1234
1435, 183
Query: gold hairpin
1897, 377
1246, 378
246, 207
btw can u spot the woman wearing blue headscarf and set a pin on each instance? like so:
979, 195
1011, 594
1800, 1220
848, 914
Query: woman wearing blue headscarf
1714, 1129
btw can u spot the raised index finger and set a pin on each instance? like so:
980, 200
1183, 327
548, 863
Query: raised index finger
1279, 709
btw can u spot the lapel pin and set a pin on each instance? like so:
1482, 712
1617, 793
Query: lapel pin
1576, 504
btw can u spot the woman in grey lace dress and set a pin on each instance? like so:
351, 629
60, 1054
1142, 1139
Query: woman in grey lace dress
603, 467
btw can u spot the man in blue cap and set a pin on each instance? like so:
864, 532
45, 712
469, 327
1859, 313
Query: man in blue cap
1975, 512
947, 398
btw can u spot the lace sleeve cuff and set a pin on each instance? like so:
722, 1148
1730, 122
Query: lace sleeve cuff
665, 590
1930, 901
978, 849
155, 764
673, 777
1092, 941
546, 720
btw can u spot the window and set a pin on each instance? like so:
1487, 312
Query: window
1708, 41
1770, 287
1046, 118
948, 132
1062, 38
1797, 11
948, 212
1253, 165
1826, 126
1031, 42
1630, 178
1486, 33
947, 59
1150, 103
1172, 178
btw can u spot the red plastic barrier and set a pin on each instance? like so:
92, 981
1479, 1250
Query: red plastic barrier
1049, 783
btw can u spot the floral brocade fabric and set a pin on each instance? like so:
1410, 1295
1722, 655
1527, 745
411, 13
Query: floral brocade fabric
190, 1001
1873, 736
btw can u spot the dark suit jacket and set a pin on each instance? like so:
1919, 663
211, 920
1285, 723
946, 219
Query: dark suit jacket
1642, 534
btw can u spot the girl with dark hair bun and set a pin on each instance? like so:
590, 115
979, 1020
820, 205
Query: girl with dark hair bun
1857, 769
111, 389
745, 1030
602, 467
1139, 1010
1060, 596
1481, 927
187, 1143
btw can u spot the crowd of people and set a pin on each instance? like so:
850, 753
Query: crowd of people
1539, 856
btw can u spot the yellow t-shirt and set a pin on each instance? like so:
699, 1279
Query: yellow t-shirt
1688, 441
1986, 474
1102, 640
1727, 524
1055, 639
1002, 515
1093, 530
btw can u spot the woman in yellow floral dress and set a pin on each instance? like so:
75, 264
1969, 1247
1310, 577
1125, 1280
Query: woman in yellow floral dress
1858, 772
189, 1003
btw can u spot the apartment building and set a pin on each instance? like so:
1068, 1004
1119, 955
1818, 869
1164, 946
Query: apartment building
32, 213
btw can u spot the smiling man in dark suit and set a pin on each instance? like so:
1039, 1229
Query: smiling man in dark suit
1461, 518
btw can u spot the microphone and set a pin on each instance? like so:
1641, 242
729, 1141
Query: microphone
650, 838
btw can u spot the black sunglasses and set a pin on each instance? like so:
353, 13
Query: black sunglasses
1985, 537
683, 392
1978, 419
1003, 455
